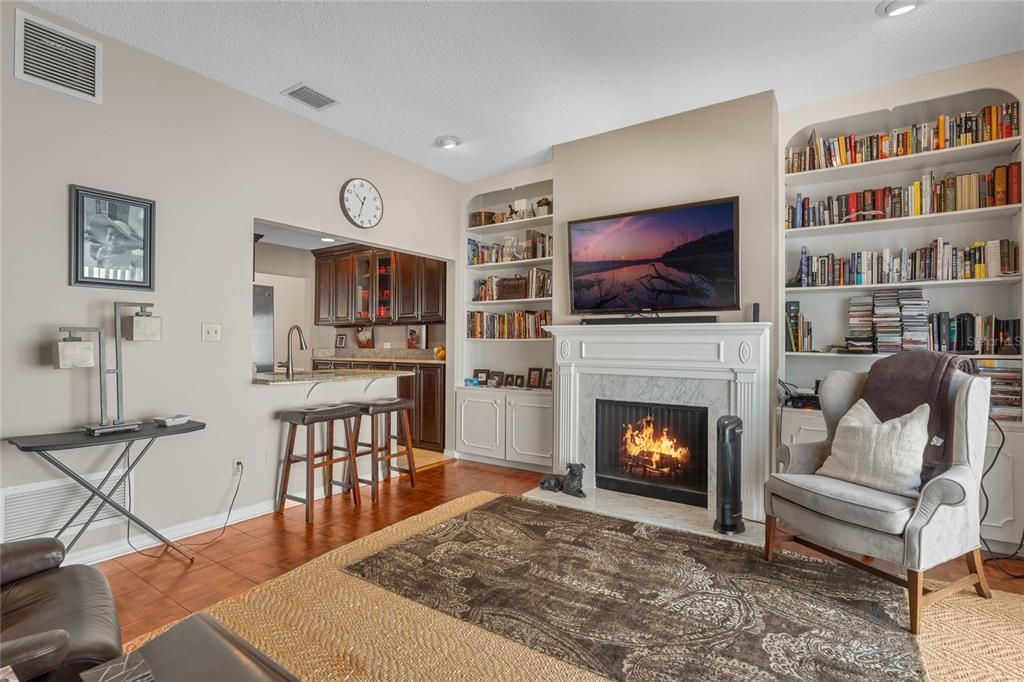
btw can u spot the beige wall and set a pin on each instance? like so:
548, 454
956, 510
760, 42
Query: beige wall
214, 160
719, 151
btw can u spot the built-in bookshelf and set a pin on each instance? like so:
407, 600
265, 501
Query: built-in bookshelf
930, 211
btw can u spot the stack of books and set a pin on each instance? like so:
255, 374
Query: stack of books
888, 324
992, 122
1006, 387
538, 283
913, 319
799, 333
862, 329
1000, 186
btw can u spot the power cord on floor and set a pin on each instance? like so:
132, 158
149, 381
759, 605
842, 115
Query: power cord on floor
227, 517
992, 556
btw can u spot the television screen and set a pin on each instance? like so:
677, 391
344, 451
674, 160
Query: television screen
663, 259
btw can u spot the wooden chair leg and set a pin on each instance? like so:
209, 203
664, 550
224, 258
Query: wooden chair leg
409, 456
353, 472
374, 462
915, 593
769, 537
289, 450
329, 468
387, 446
310, 471
977, 567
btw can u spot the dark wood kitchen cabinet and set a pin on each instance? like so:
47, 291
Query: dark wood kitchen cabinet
426, 388
374, 286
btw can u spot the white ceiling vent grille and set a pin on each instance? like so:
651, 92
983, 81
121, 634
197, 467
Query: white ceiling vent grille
42, 508
57, 58
309, 96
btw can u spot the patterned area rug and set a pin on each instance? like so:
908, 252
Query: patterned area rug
631, 601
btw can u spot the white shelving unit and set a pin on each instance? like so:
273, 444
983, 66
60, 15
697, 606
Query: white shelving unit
506, 425
826, 307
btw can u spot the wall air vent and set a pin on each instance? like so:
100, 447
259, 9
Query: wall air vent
309, 96
41, 508
57, 58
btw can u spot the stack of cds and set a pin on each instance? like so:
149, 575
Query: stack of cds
888, 328
862, 330
914, 316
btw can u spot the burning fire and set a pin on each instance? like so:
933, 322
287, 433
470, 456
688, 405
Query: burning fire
662, 450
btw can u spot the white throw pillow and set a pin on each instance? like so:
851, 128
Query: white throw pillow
881, 456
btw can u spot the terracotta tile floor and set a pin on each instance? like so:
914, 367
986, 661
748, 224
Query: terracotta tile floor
153, 592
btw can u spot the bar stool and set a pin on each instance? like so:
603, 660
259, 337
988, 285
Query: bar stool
379, 412
309, 418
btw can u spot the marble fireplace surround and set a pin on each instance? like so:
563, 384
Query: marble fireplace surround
722, 366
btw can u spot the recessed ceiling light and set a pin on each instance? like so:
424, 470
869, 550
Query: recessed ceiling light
447, 142
328, 240
894, 8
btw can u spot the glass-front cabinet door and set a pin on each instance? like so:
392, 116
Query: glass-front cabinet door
383, 266
364, 278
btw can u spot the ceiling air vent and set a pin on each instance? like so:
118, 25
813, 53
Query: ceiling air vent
57, 58
309, 96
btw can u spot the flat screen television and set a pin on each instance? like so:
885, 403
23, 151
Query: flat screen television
675, 258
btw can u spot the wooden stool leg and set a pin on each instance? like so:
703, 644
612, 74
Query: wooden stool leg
353, 472
387, 445
374, 462
977, 567
310, 478
915, 590
409, 456
329, 468
769, 537
289, 450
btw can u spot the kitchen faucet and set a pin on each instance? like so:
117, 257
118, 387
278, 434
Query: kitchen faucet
289, 367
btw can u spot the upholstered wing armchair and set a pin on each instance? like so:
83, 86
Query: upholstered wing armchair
941, 524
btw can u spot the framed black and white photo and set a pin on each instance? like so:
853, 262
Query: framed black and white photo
112, 240
510, 379
495, 378
339, 340
481, 375
547, 377
520, 381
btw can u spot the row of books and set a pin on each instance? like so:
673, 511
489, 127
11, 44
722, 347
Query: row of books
799, 331
972, 333
1005, 376
938, 261
519, 324
999, 187
993, 122
537, 285
534, 245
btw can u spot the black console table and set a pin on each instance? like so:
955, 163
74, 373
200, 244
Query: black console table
44, 444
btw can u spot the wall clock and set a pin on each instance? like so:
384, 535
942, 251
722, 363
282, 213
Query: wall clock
361, 203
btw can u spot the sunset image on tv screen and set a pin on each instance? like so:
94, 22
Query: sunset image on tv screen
668, 259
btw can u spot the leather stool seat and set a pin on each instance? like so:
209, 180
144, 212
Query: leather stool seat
316, 415
385, 405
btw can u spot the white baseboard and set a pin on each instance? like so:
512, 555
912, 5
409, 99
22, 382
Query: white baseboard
508, 464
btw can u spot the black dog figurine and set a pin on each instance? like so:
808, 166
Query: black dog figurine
571, 483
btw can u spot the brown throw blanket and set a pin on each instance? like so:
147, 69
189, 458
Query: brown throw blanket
897, 384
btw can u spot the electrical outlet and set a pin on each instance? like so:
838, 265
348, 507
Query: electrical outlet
387, 344
237, 465
211, 331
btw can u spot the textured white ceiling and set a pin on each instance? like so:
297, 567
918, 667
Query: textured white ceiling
513, 78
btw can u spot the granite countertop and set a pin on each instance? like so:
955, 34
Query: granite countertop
381, 358
277, 378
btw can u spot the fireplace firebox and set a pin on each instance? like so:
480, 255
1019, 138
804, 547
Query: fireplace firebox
654, 450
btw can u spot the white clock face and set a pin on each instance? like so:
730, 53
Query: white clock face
362, 203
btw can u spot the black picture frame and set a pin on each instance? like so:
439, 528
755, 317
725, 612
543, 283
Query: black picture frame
533, 377
510, 379
520, 381
496, 378
107, 232
548, 378
481, 375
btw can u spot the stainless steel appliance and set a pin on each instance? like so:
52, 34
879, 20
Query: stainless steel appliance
263, 327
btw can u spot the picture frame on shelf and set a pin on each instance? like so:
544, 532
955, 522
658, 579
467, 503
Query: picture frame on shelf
112, 240
364, 337
339, 340
481, 375
533, 377
548, 378
510, 380
416, 336
495, 378
520, 381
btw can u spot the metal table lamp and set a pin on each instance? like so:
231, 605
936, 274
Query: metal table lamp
74, 352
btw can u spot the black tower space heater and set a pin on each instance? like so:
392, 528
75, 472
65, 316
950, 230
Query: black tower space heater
730, 500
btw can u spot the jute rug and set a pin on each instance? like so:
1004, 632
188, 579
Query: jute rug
323, 623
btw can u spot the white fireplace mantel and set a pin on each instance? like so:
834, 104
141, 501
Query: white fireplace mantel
736, 353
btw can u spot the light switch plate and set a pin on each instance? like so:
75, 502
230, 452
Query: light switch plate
211, 331
386, 344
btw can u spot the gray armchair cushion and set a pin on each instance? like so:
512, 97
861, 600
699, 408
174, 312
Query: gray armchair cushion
854, 504
804, 458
